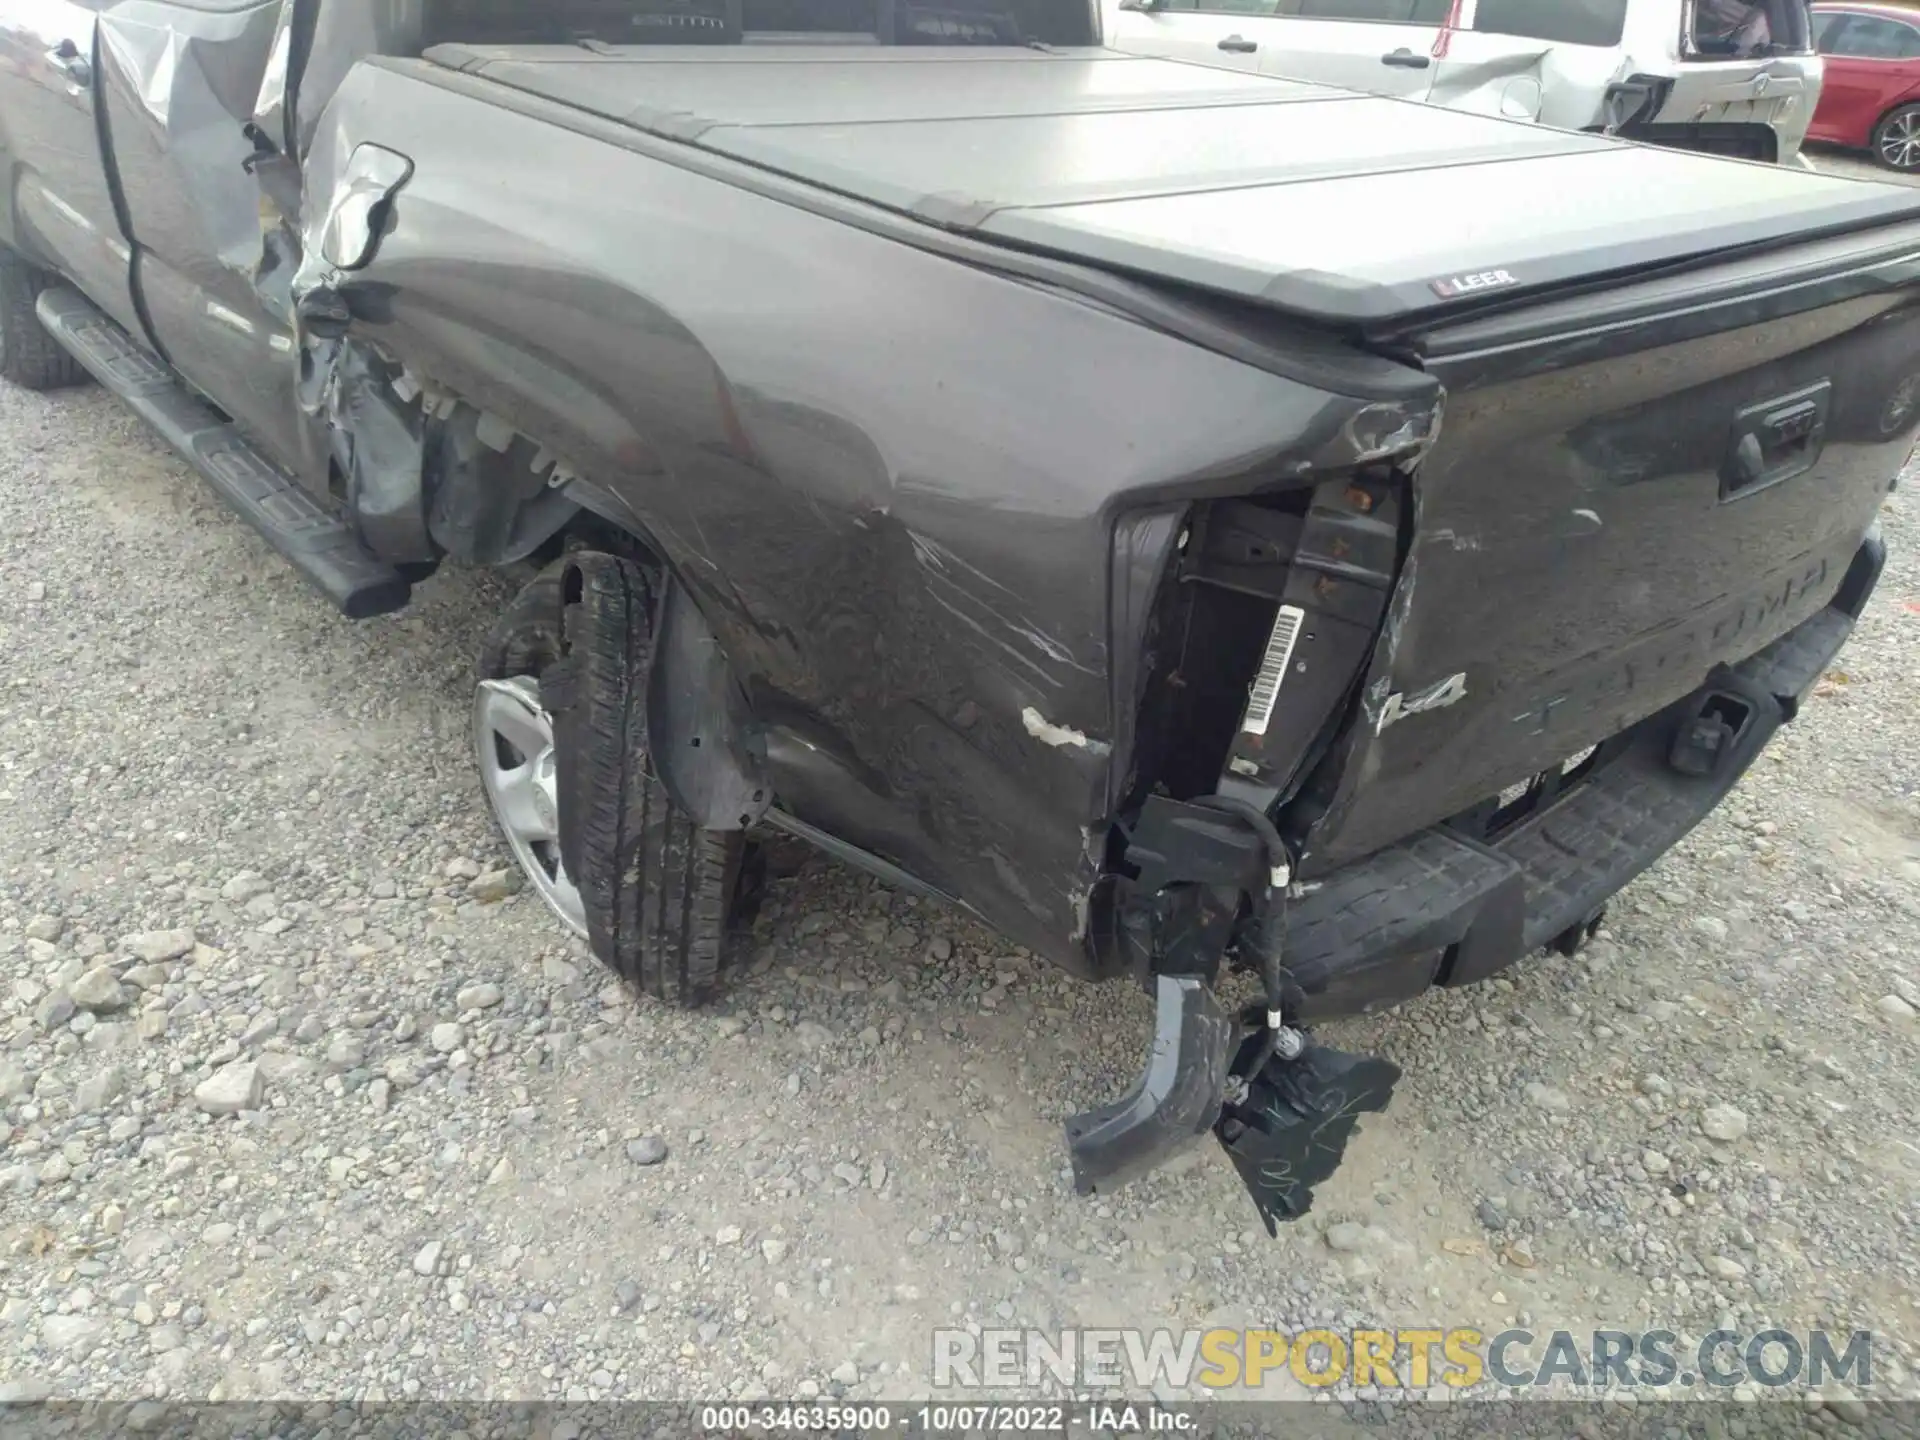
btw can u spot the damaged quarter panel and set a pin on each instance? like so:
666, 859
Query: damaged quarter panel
1521, 80
868, 463
891, 481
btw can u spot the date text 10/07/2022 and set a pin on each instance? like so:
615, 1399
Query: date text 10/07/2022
950, 1419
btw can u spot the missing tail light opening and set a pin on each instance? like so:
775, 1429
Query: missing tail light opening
1257, 645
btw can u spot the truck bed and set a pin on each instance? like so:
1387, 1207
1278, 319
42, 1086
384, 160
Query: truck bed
1292, 195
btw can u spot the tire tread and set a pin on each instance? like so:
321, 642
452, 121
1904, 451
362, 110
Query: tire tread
33, 359
656, 888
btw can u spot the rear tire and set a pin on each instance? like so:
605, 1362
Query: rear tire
29, 356
1896, 139
657, 892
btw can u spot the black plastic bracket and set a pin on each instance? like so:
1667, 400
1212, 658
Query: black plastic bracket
1174, 842
1176, 1099
1290, 1129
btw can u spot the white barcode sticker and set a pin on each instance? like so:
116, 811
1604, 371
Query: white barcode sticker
1273, 669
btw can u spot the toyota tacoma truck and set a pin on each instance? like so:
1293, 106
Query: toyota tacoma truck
1228, 535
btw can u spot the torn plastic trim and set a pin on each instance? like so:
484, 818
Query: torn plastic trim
704, 749
1194, 867
425, 472
378, 444
1288, 1127
1174, 1102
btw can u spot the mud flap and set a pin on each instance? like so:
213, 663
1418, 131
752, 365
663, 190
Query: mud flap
1291, 1129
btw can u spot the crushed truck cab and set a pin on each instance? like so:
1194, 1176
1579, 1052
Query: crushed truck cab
1194, 523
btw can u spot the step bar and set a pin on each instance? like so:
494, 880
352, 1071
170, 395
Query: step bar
289, 518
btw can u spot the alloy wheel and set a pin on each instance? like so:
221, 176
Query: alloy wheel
513, 735
1899, 140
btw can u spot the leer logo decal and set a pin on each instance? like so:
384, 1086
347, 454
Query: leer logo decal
1454, 286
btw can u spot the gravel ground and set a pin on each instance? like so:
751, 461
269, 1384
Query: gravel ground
301, 1101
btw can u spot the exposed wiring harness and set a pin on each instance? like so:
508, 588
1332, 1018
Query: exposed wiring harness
1279, 1038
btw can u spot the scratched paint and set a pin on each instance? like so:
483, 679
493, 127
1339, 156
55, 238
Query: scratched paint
1048, 733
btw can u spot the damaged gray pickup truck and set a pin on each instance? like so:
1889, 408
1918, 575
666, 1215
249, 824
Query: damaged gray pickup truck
1194, 522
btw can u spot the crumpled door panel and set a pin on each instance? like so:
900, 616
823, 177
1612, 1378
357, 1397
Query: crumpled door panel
180, 86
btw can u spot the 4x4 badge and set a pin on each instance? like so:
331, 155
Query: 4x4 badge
1434, 697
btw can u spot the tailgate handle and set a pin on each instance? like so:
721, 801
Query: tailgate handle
1775, 440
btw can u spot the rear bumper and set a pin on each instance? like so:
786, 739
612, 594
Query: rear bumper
1742, 140
1443, 908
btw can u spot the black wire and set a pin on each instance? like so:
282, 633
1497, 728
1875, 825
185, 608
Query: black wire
1271, 972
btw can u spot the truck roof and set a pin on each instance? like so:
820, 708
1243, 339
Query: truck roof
1339, 207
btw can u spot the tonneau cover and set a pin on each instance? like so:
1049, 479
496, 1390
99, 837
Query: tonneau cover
1337, 206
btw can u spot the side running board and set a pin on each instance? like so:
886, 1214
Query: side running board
313, 540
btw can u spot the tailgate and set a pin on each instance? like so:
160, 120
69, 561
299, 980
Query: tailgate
1629, 489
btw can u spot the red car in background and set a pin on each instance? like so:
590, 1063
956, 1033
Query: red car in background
1870, 99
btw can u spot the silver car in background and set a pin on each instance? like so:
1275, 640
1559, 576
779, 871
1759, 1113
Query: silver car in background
1734, 77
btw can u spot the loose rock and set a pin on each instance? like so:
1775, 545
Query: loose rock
1548, 1098
100, 990
345, 1051
232, 1088
1725, 1123
156, 945
647, 1150
478, 997
99, 1091
1346, 1236
495, 885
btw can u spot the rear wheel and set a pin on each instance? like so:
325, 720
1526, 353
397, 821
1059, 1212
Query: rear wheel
560, 726
29, 356
1896, 139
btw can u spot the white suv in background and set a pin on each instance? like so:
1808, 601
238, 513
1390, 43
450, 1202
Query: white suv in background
1737, 77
